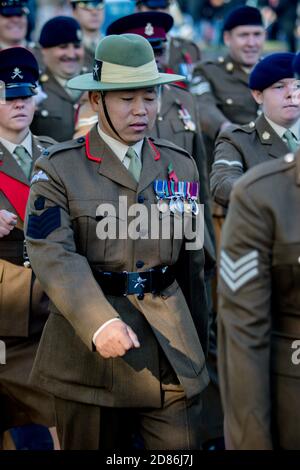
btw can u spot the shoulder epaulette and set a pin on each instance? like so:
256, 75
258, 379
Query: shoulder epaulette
62, 146
44, 139
167, 144
248, 128
266, 169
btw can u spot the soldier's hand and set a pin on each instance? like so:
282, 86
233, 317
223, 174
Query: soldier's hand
8, 221
116, 339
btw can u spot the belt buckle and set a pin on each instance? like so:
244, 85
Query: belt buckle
26, 262
136, 283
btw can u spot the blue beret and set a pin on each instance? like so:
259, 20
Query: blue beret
271, 69
152, 25
296, 65
60, 30
88, 3
13, 8
154, 3
19, 71
242, 16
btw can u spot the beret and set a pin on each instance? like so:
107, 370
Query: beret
60, 30
242, 16
271, 69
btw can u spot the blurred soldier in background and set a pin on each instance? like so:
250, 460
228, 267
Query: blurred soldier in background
23, 305
61, 42
14, 24
272, 135
182, 54
221, 85
90, 15
259, 307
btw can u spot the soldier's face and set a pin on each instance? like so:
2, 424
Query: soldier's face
245, 44
279, 101
65, 60
90, 19
161, 57
16, 116
132, 112
13, 29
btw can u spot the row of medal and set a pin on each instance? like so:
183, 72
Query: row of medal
177, 196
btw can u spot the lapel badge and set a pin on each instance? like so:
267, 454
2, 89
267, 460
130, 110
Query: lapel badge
220, 60
149, 30
229, 67
266, 135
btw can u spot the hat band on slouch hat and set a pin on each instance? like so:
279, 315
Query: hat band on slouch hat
107, 72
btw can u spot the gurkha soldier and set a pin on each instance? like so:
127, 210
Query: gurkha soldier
23, 305
122, 348
177, 121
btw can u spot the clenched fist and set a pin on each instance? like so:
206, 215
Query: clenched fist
8, 221
115, 340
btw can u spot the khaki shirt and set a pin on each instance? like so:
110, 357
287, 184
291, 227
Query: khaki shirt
221, 87
239, 148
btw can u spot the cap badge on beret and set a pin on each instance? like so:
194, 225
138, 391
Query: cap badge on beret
17, 73
149, 30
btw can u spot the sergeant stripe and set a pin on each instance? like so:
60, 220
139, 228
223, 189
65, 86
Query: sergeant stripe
235, 274
234, 286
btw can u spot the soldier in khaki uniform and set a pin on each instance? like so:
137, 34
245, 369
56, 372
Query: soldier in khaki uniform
221, 85
121, 346
273, 133
182, 54
63, 53
259, 309
23, 305
90, 16
177, 119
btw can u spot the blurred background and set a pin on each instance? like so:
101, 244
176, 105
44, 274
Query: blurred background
199, 20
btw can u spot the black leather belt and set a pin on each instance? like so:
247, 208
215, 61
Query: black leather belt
139, 283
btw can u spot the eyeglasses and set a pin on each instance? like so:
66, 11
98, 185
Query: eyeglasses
90, 5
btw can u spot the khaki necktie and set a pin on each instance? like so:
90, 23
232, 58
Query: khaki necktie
24, 159
135, 165
290, 140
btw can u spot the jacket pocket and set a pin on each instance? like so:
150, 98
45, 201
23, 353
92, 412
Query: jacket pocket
15, 293
97, 232
286, 279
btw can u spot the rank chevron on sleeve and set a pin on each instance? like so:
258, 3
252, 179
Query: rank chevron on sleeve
237, 273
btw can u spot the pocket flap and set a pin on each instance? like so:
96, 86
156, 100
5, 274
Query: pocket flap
286, 253
15, 294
